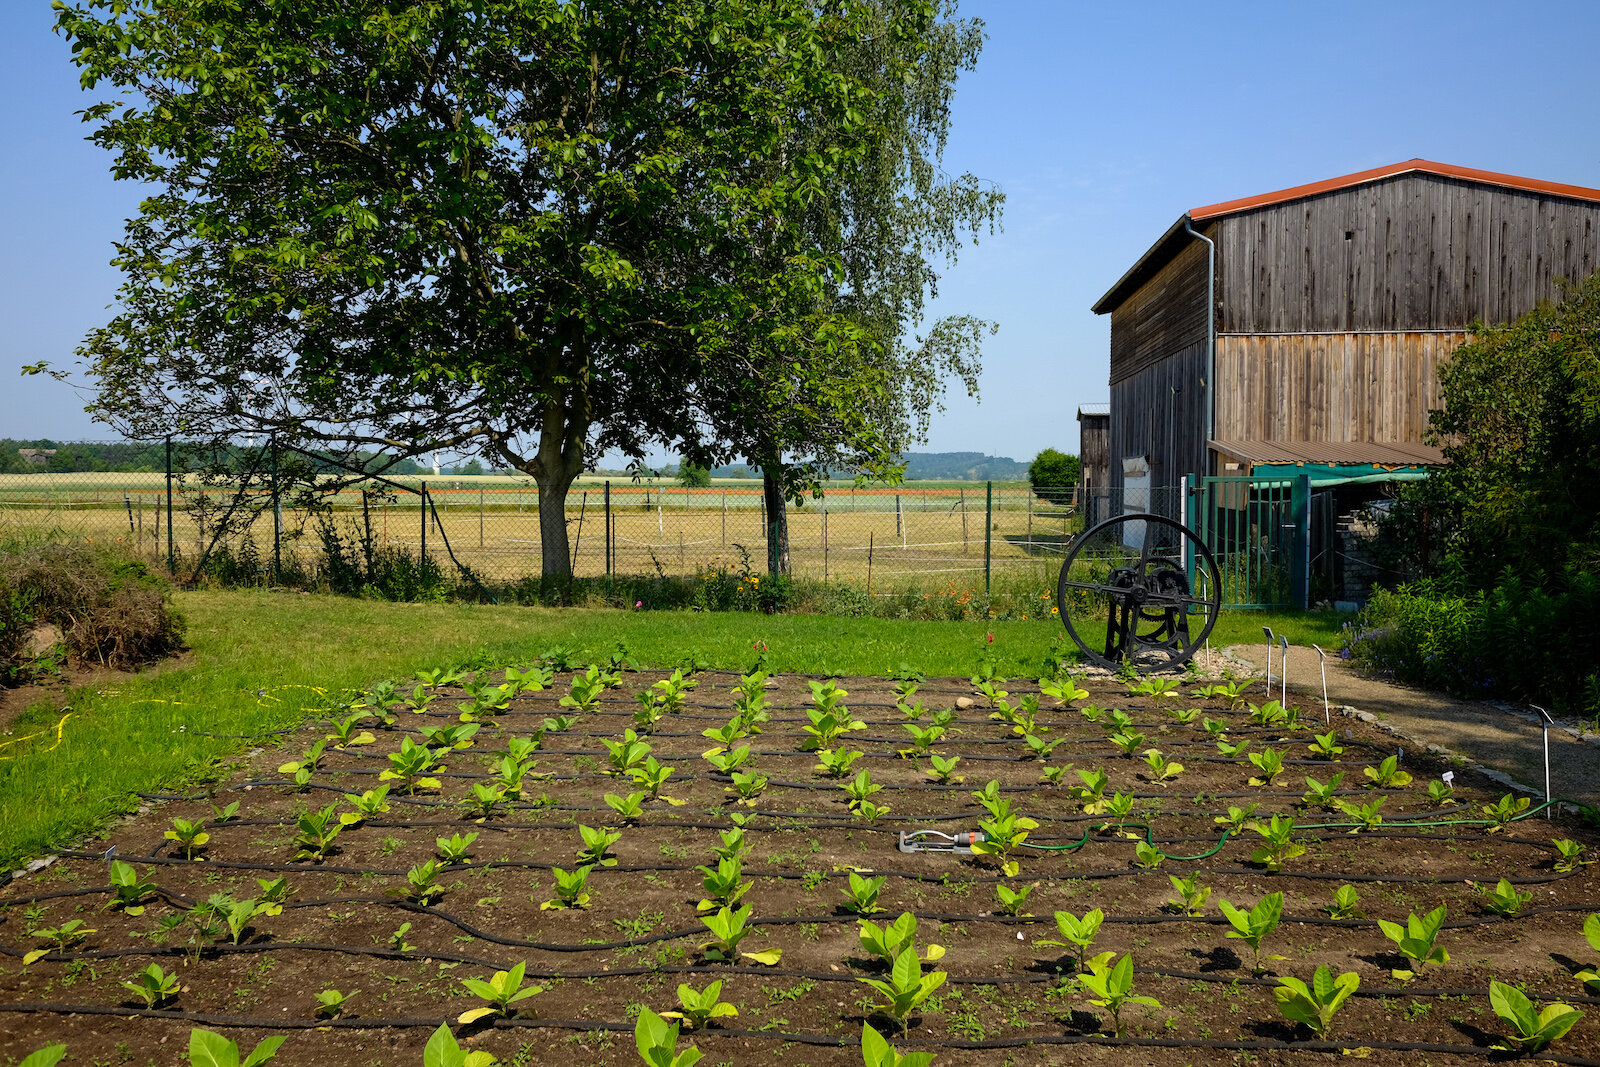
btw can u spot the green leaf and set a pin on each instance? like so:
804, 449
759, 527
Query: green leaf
48, 1056
474, 1014
207, 1049
264, 1052
767, 957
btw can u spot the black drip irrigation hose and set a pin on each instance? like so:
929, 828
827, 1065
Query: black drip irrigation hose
788, 1037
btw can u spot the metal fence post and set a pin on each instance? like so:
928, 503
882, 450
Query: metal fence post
277, 515
1300, 559
172, 563
988, 533
422, 508
608, 530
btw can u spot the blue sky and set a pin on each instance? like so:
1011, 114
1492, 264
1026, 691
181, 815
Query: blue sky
1102, 123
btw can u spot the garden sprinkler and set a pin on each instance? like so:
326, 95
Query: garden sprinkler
1268, 631
1544, 727
1322, 661
1283, 669
934, 841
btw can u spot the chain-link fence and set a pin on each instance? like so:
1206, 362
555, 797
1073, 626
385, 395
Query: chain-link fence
885, 538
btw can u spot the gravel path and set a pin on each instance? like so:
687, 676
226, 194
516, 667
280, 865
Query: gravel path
1504, 738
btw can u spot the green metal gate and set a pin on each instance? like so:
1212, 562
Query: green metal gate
1259, 529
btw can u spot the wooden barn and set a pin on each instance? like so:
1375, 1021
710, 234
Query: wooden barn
1305, 328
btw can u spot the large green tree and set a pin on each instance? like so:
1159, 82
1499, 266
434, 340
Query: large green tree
494, 225
837, 371
1520, 427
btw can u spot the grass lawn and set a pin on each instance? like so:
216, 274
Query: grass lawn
262, 661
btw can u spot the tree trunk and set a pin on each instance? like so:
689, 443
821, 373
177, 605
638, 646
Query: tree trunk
557, 464
777, 517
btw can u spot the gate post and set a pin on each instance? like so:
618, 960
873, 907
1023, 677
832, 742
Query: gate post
988, 533
1300, 559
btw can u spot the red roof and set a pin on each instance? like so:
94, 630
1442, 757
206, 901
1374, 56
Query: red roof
1424, 166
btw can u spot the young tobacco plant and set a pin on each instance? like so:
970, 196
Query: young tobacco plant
1505, 899
597, 846
942, 770
747, 787
728, 927
1318, 795
888, 941
658, 1042
861, 897
906, 988
1325, 746
728, 760
1388, 775
700, 1007
1268, 764
1571, 855
130, 890
651, 776
1345, 899
315, 833
454, 849
724, 884
1254, 925
835, 763
571, 889
153, 985
1279, 846
1504, 811
190, 835
1417, 940
501, 991
1532, 1028
1440, 793
367, 804
330, 1003
1192, 896
628, 808
627, 753
1013, 900
1079, 933
1162, 770
207, 1049
877, 1052
1315, 1004
1590, 976
1111, 987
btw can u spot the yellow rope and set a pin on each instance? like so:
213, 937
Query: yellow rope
60, 726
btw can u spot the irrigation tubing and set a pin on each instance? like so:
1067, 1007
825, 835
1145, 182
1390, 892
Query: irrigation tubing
788, 1037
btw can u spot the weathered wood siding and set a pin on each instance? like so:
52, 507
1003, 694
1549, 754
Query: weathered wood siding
1423, 252
1322, 387
1094, 450
1166, 315
1159, 412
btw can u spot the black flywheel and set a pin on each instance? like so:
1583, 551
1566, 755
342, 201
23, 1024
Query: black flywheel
1139, 589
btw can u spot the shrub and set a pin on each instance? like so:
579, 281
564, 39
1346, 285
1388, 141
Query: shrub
112, 610
1053, 475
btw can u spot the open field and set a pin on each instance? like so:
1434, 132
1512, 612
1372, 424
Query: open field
639, 933
490, 524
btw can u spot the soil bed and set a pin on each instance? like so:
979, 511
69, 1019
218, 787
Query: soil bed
640, 934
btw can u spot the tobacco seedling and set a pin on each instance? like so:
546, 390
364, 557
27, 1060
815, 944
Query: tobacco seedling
531, 680
860, 788
597, 845
345, 732
450, 738
1092, 792
1192, 896
1417, 940
274, 892
1232, 692
130, 889
330, 1003
651, 776
733, 846
422, 883
868, 812
1345, 899
627, 753
397, 940
1268, 764
487, 797
1054, 775
1112, 987
1254, 925
453, 849
671, 690
728, 927
367, 804
1162, 770
1325, 746
628, 808
1184, 716
835, 763
1127, 740
1315, 1005
1318, 795
747, 787
1590, 976
309, 759
728, 760
223, 814
520, 750
923, 738
1093, 713
726, 734
190, 835
1063, 692
70, 933
1078, 932
888, 941
877, 1052
1147, 857
1156, 688
1440, 792
1233, 750
1366, 815
1572, 855
1505, 899
571, 889
1280, 845
1238, 819
1503, 811
153, 985
724, 884
906, 988
418, 701
1013, 900
51, 1055
501, 991
658, 1042
586, 690
410, 766
862, 895
1532, 1028
315, 833
1387, 774
700, 1008
560, 724
942, 770
207, 1049
1003, 832
1269, 714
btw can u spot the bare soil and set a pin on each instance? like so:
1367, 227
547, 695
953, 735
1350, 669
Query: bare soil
640, 935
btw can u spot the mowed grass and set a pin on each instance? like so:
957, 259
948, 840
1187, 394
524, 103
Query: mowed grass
262, 661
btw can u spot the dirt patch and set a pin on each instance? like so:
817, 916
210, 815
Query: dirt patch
344, 924
54, 691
